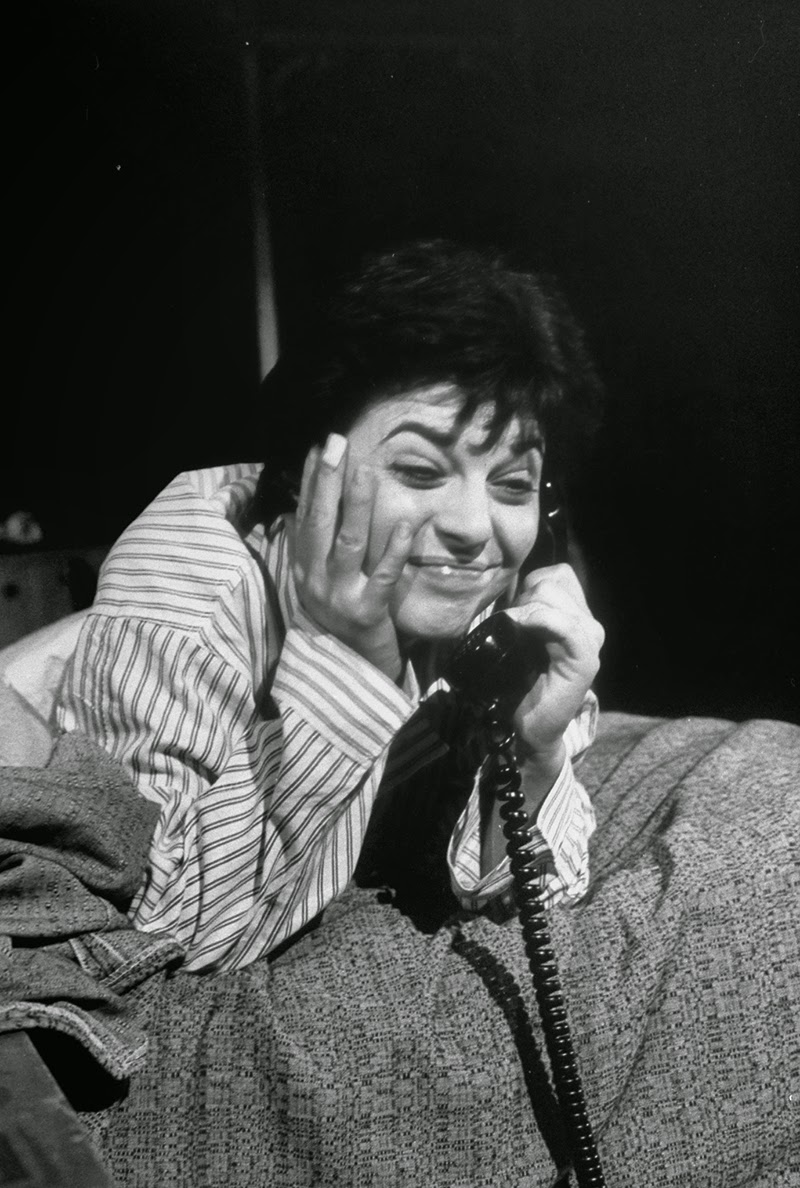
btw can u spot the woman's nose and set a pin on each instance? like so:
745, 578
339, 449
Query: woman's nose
463, 518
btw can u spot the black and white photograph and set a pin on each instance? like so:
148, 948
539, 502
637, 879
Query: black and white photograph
399, 588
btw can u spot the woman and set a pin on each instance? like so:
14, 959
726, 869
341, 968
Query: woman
273, 677
260, 671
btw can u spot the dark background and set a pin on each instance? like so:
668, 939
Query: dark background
646, 154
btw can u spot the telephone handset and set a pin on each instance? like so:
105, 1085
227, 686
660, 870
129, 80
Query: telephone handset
489, 670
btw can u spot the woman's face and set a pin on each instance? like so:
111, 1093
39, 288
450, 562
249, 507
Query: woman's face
474, 511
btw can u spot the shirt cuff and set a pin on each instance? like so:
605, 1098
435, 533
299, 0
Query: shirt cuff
559, 837
351, 704
563, 809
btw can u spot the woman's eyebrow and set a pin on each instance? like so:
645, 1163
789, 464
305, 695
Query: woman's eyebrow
517, 450
445, 438
532, 440
438, 437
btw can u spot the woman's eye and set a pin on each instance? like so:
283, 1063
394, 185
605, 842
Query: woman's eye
519, 488
413, 474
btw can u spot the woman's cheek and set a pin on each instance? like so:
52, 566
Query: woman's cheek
393, 503
522, 530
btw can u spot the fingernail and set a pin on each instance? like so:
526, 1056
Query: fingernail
334, 450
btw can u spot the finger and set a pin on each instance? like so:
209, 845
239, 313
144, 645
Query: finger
307, 481
548, 594
386, 573
561, 576
351, 542
323, 505
561, 625
558, 601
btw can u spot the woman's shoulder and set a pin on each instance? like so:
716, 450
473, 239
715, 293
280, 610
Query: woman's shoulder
213, 494
195, 554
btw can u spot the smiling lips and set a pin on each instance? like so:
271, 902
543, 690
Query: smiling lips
446, 567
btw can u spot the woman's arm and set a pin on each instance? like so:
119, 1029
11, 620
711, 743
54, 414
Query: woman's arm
262, 810
562, 827
554, 723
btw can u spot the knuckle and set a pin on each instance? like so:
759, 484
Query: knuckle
359, 491
383, 577
349, 541
360, 618
316, 516
562, 573
316, 589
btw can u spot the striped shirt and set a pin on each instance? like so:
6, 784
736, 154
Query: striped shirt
263, 739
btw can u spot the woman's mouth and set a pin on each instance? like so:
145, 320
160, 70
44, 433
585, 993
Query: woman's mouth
446, 570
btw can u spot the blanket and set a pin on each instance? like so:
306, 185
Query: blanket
74, 839
370, 1054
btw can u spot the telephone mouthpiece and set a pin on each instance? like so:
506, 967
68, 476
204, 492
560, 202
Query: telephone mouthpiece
487, 666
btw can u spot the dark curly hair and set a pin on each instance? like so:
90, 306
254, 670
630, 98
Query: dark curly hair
425, 313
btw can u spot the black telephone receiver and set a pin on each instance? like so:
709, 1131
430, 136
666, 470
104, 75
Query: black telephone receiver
489, 669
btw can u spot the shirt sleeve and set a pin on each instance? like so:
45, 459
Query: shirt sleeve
263, 806
564, 824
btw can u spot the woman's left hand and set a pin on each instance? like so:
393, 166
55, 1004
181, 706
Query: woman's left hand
551, 607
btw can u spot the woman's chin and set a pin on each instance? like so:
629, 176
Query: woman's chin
418, 618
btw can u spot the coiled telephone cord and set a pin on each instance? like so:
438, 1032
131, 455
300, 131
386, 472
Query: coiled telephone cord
503, 772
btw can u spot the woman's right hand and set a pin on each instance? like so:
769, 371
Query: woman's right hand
330, 540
